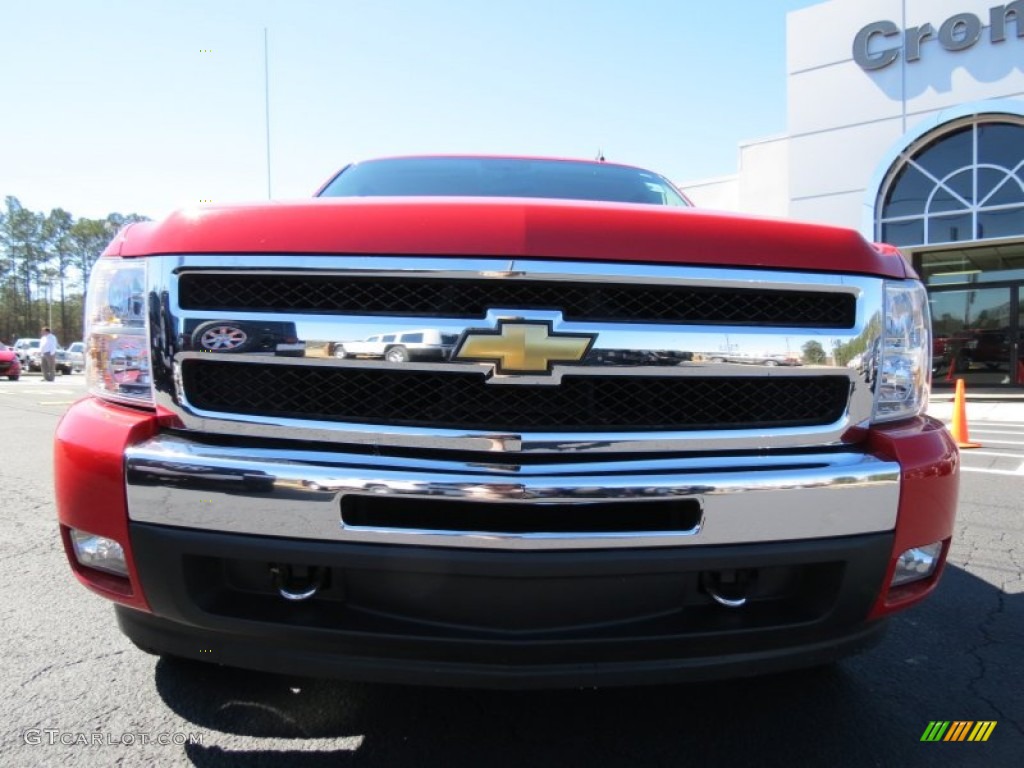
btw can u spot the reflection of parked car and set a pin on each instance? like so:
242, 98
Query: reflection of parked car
10, 366
76, 356
631, 357
764, 358
425, 344
268, 338
201, 477
989, 347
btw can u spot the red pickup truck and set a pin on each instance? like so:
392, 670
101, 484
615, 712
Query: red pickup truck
573, 493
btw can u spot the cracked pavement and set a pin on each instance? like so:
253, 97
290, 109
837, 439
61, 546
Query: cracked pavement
959, 656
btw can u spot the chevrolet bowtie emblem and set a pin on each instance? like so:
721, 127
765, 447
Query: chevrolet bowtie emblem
518, 346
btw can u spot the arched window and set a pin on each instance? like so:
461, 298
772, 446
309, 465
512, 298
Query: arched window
961, 183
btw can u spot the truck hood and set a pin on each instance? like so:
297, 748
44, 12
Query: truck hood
508, 228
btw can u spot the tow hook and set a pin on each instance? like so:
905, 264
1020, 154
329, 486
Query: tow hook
297, 582
728, 588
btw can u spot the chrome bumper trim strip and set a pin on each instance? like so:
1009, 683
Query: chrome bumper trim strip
297, 494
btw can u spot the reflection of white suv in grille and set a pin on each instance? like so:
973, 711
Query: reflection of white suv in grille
425, 344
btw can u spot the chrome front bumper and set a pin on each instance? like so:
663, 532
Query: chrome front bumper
298, 494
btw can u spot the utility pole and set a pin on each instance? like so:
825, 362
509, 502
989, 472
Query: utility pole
266, 99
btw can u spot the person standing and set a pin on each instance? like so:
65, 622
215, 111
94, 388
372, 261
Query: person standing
48, 355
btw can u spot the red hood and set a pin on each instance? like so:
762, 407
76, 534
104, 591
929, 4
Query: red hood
541, 229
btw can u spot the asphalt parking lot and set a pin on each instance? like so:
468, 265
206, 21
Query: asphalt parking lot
77, 693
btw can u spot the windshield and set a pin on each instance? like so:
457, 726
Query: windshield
502, 177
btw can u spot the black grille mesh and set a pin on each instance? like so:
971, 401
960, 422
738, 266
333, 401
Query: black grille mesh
426, 297
465, 401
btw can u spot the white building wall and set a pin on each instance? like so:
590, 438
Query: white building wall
843, 121
757, 188
719, 194
762, 165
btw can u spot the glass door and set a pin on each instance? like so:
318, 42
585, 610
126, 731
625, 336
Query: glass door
975, 336
1017, 353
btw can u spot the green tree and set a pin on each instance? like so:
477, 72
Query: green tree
814, 353
56, 236
26, 257
87, 239
40, 253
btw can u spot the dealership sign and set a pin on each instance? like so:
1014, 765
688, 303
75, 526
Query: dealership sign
880, 43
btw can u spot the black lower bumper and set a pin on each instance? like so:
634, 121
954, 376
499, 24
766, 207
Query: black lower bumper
506, 619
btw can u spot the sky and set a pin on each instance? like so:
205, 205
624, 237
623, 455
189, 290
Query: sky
145, 106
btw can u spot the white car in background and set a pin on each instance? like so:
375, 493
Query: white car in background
24, 349
28, 352
76, 356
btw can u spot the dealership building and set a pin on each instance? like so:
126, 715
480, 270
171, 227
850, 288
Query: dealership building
906, 121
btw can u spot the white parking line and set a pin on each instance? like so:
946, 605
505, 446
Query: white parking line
1010, 472
994, 453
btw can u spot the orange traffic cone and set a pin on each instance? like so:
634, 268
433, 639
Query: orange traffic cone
952, 367
959, 429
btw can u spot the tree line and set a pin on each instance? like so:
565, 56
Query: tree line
45, 261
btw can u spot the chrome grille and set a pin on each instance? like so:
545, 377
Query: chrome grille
685, 359
465, 401
433, 297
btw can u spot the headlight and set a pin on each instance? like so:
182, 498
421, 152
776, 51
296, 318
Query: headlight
904, 360
116, 332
